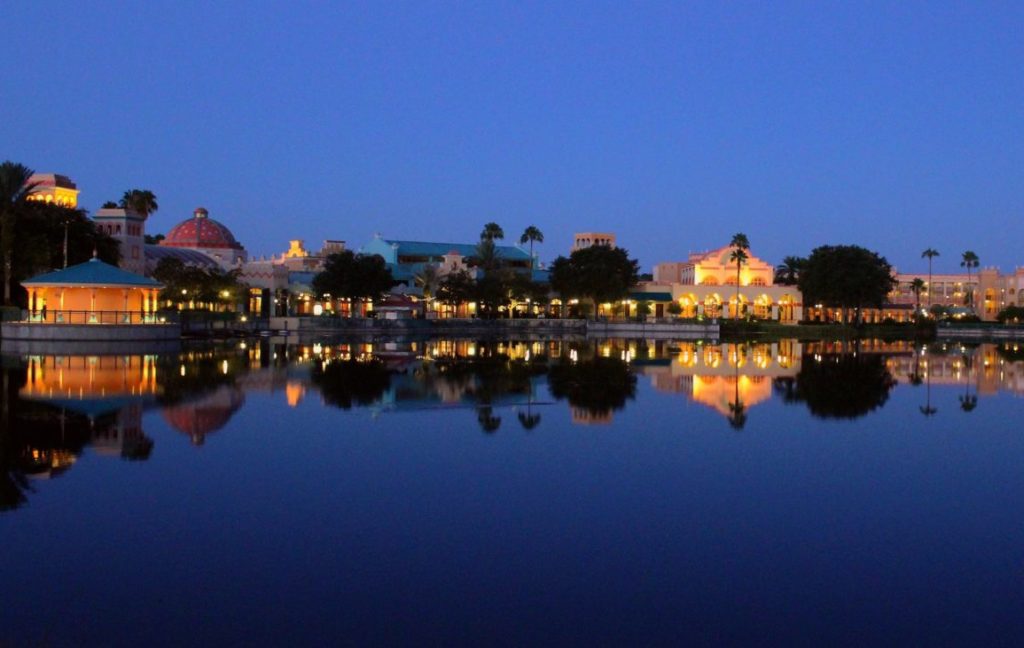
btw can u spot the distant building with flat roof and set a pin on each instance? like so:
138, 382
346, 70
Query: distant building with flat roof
583, 240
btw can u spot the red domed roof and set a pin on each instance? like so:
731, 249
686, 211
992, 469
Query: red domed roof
201, 231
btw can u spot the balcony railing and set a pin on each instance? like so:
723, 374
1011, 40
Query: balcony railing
92, 317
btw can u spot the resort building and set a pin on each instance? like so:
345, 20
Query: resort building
707, 285
54, 188
407, 259
582, 240
985, 292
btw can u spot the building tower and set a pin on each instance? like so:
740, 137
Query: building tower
129, 229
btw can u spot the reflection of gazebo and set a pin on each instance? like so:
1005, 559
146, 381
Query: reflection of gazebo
93, 292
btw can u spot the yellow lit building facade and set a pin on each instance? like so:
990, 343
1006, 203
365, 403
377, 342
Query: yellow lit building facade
986, 291
706, 285
54, 188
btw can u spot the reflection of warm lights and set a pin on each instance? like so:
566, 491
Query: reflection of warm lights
318, 349
294, 392
224, 367
182, 371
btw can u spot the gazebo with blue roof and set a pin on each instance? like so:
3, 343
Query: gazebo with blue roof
93, 292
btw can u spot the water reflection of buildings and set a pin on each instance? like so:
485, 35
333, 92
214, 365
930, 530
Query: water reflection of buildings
725, 376
988, 368
197, 418
110, 390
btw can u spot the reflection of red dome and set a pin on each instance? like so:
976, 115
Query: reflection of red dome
201, 231
205, 416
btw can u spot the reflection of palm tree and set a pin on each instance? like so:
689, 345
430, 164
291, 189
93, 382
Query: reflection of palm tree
488, 421
737, 410
528, 419
968, 401
927, 408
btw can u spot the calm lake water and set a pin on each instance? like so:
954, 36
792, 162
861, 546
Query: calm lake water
494, 492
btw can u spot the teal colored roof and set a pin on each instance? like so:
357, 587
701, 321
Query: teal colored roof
424, 248
651, 296
92, 273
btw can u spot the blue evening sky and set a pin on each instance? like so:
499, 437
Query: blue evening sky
894, 125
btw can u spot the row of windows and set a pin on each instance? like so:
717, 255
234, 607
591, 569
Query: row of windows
132, 230
731, 281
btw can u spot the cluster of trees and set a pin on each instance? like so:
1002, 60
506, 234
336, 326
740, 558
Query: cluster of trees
838, 386
596, 274
851, 277
33, 234
495, 285
353, 276
192, 286
848, 277
591, 383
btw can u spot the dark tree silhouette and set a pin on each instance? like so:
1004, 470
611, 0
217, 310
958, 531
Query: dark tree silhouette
599, 385
344, 383
843, 386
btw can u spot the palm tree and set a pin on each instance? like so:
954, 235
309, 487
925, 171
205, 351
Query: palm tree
916, 286
140, 201
740, 245
531, 234
930, 253
492, 232
430, 280
487, 255
787, 273
969, 260
15, 190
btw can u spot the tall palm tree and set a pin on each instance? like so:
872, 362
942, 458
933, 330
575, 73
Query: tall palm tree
140, 201
486, 255
969, 260
740, 245
15, 190
492, 232
916, 286
930, 254
531, 234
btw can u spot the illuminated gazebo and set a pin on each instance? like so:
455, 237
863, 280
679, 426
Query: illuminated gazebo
93, 292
